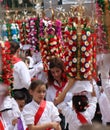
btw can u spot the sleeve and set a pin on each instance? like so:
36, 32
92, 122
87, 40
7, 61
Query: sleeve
38, 67
28, 115
92, 107
54, 113
24, 75
69, 114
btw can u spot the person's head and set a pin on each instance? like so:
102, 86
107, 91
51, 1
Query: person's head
56, 70
94, 126
37, 90
80, 103
14, 47
20, 98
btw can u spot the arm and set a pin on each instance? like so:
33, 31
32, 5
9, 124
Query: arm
61, 97
45, 126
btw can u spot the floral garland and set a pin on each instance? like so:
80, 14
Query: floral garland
102, 45
50, 41
33, 31
80, 63
7, 71
10, 31
24, 30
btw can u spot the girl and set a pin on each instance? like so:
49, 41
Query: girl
56, 82
40, 114
82, 110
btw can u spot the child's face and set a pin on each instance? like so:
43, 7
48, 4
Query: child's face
21, 104
39, 93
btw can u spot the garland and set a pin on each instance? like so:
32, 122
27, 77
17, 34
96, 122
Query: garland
50, 41
78, 55
10, 31
102, 45
33, 31
7, 72
24, 29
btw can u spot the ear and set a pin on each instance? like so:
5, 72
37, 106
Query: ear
30, 92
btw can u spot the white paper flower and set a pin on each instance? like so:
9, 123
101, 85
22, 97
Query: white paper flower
67, 58
87, 65
74, 60
74, 37
83, 60
83, 48
70, 42
85, 75
88, 33
73, 48
53, 43
86, 43
70, 63
86, 53
84, 37
73, 69
83, 70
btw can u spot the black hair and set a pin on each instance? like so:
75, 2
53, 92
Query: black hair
19, 95
56, 62
14, 46
80, 102
35, 83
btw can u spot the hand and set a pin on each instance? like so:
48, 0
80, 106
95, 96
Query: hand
56, 125
14, 121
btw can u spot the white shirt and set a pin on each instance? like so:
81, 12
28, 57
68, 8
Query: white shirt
71, 116
21, 75
51, 93
38, 72
12, 114
50, 113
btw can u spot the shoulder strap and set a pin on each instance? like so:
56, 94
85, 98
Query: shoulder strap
40, 111
81, 118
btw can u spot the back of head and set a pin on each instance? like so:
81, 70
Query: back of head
19, 95
14, 46
80, 103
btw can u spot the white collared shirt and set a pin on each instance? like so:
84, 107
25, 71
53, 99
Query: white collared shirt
12, 114
51, 93
71, 116
50, 113
21, 75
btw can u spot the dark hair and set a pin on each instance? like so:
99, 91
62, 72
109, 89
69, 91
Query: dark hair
35, 83
19, 95
14, 46
80, 102
56, 62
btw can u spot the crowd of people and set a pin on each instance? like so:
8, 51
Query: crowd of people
49, 101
